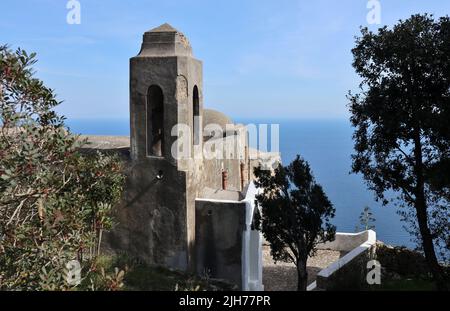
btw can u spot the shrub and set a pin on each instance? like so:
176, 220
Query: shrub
54, 202
403, 261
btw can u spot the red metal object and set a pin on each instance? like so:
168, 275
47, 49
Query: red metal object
224, 180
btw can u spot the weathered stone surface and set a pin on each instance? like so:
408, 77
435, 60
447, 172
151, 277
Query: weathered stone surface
151, 224
165, 41
219, 232
182, 88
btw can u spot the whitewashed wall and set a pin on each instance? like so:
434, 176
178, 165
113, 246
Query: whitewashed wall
251, 247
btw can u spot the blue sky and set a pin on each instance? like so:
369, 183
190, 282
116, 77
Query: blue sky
262, 59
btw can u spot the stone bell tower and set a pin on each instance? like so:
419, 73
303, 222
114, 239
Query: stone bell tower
165, 90
166, 82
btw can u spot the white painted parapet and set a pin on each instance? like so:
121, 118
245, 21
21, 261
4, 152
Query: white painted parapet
252, 264
346, 242
356, 244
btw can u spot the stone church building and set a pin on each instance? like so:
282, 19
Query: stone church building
184, 208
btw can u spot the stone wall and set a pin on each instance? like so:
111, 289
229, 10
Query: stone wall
219, 235
346, 242
151, 219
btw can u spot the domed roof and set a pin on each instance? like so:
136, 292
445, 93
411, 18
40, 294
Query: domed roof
211, 116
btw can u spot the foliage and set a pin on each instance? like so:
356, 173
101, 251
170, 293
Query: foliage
366, 220
54, 202
402, 261
402, 136
140, 276
403, 270
295, 214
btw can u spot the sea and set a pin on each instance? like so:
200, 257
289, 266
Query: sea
327, 145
